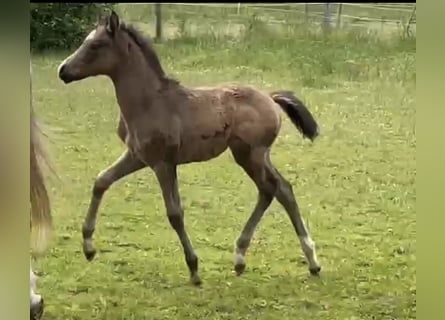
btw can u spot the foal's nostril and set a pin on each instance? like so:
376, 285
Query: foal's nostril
64, 75
61, 71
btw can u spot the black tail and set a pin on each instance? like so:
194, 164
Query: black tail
297, 112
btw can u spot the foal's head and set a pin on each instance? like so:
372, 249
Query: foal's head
101, 53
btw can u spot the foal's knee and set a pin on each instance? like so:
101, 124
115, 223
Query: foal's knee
175, 217
101, 184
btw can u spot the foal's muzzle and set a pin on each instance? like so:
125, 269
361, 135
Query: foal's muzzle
65, 76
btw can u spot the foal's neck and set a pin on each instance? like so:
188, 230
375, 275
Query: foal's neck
136, 86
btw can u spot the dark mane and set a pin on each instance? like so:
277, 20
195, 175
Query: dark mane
145, 44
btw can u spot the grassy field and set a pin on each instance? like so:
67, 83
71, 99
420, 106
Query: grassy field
355, 186
227, 18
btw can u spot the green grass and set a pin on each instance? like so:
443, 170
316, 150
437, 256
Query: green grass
355, 186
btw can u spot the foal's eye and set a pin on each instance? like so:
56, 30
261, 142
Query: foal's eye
97, 45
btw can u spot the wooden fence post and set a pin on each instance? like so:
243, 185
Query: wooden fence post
340, 8
410, 20
158, 13
327, 17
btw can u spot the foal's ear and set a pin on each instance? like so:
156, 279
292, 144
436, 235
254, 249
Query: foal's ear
113, 23
101, 20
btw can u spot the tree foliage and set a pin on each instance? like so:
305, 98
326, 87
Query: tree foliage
62, 25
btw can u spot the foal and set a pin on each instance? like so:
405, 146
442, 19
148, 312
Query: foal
165, 124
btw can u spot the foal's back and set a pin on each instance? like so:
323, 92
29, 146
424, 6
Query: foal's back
212, 118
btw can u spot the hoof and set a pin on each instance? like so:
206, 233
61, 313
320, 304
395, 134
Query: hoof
36, 311
90, 255
315, 271
196, 280
240, 268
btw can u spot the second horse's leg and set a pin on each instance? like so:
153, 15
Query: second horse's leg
36, 304
122, 167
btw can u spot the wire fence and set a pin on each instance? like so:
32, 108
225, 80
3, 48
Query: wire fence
173, 19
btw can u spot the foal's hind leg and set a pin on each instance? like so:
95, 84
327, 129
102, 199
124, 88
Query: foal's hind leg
167, 177
253, 163
123, 166
286, 197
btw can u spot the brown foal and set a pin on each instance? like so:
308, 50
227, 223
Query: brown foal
165, 124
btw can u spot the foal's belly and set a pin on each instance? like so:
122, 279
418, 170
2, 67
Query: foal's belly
201, 149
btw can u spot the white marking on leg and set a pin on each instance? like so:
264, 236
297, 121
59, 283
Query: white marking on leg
89, 245
35, 299
32, 277
308, 246
239, 259
240, 252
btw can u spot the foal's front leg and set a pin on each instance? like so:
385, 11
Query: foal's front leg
167, 177
123, 166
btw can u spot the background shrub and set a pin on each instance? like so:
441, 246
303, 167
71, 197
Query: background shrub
62, 25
